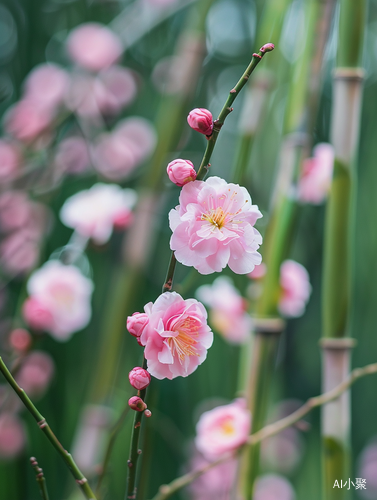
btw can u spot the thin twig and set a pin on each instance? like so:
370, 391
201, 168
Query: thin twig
167, 490
45, 428
40, 478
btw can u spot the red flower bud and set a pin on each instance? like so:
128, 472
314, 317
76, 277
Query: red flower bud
201, 120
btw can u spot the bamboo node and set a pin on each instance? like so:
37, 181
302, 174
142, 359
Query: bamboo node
268, 325
338, 343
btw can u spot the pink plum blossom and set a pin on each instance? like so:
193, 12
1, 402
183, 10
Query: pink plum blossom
223, 429
93, 212
113, 157
315, 180
176, 337
181, 172
213, 227
200, 119
273, 487
27, 120
10, 161
72, 155
295, 289
59, 299
94, 46
119, 89
14, 210
12, 435
227, 309
47, 85
35, 373
141, 135
19, 252
139, 378
20, 339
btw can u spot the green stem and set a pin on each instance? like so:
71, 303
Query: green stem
45, 428
134, 448
227, 108
40, 479
167, 286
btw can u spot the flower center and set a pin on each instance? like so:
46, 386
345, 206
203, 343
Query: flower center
227, 426
184, 344
216, 217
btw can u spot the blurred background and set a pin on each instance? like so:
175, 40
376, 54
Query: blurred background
85, 107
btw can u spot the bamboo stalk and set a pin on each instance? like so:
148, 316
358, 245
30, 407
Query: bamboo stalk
338, 246
279, 234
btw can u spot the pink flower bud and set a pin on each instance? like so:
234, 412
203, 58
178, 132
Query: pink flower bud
148, 413
181, 172
137, 403
136, 323
200, 119
139, 378
267, 47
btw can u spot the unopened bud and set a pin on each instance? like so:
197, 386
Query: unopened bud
181, 172
137, 403
148, 413
136, 324
139, 378
200, 119
267, 47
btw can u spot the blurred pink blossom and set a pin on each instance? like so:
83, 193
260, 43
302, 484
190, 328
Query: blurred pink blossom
94, 46
46, 86
227, 313
19, 252
20, 339
223, 429
295, 289
27, 120
10, 161
258, 272
213, 227
72, 155
35, 374
315, 180
63, 294
273, 487
200, 119
84, 94
37, 315
12, 435
14, 210
367, 469
181, 172
93, 212
119, 89
216, 483
141, 135
177, 336
283, 451
113, 157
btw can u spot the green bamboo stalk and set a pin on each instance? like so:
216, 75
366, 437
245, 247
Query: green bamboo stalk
338, 246
45, 428
280, 230
40, 478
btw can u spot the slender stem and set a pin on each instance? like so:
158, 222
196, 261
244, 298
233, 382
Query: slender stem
45, 428
167, 286
134, 449
227, 108
168, 490
40, 479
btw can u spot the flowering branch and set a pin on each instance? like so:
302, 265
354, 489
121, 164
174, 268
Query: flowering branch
43, 425
40, 478
227, 108
167, 490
